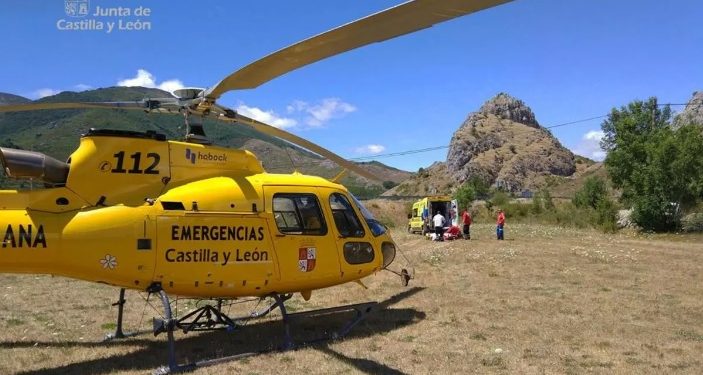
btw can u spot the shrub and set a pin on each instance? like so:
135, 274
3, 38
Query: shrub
593, 190
481, 187
547, 198
516, 210
387, 221
465, 195
692, 222
536, 204
571, 216
500, 198
607, 215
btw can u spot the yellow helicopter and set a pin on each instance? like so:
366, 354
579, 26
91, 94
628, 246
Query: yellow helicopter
137, 211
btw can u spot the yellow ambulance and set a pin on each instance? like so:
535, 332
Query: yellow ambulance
420, 218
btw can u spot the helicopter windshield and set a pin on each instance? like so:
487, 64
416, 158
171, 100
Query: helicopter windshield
376, 227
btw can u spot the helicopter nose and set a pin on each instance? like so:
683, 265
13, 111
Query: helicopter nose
388, 252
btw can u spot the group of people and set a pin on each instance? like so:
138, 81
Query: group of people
438, 220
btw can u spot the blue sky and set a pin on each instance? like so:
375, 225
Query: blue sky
568, 60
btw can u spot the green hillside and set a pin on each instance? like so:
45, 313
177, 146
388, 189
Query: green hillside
57, 133
12, 99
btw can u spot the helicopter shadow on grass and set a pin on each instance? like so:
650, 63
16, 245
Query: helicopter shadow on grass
256, 338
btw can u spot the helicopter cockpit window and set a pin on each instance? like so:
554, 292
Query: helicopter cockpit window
345, 219
376, 227
298, 214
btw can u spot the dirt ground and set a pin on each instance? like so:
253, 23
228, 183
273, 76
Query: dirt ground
546, 300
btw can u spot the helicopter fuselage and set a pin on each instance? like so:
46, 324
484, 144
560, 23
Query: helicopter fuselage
199, 220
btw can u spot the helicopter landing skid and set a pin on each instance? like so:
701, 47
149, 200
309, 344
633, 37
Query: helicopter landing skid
119, 334
169, 325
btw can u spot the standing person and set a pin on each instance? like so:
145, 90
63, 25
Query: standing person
500, 223
439, 221
466, 221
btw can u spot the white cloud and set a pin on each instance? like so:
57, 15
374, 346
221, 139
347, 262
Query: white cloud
82, 87
268, 117
38, 94
320, 113
44, 92
296, 106
589, 146
370, 149
171, 85
146, 79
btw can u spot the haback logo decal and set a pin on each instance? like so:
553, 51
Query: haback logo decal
190, 156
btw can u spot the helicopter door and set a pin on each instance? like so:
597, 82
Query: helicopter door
209, 253
356, 250
304, 245
454, 213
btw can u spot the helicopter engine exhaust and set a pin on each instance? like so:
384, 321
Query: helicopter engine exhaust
31, 164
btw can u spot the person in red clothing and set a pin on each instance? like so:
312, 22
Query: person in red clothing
466, 221
500, 223
452, 233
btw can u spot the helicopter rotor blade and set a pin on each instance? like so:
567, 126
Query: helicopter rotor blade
225, 114
149, 104
390, 23
264, 128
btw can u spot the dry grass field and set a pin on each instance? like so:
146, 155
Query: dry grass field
546, 300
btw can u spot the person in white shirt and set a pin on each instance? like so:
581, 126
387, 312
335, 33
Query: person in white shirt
439, 221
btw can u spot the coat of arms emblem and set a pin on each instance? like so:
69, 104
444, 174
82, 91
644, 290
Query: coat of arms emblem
76, 8
306, 258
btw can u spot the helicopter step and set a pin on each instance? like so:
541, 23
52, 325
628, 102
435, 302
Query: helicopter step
199, 320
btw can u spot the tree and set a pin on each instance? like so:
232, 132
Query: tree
547, 198
389, 185
591, 193
465, 195
607, 215
659, 169
537, 202
481, 187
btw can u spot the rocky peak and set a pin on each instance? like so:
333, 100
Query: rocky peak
503, 144
507, 107
693, 113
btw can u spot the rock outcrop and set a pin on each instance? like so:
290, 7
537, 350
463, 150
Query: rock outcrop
504, 145
693, 113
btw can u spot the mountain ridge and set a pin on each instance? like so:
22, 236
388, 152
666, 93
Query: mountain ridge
57, 132
7, 98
